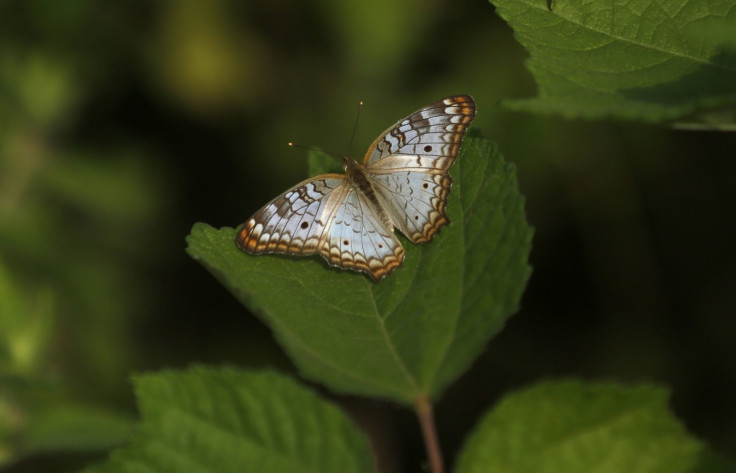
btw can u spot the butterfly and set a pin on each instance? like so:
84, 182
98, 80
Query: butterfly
403, 182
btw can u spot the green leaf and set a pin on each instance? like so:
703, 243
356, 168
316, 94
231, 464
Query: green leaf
36, 419
420, 328
625, 59
205, 420
715, 32
322, 163
570, 426
62, 425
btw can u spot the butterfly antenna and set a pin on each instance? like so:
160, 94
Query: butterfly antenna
355, 128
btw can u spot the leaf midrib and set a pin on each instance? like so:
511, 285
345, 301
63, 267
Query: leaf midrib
284, 329
636, 43
392, 349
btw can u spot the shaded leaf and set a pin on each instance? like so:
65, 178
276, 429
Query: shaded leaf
231, 421
570, 426
418, 329
624, 59
67, 426
321, 163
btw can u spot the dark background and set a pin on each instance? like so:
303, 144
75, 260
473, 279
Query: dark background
123, 123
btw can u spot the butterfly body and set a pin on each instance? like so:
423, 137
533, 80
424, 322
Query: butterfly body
358, 178
403, 182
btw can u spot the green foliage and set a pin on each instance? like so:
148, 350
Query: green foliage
629, 60
70, 219
34, 417
224, 420
321, 163
570, 426
715, 32
61, 426
354, 26
25, 328
119, 124
233, 421
420, 328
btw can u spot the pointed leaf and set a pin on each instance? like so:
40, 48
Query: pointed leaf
625, 59
417, 330
205, 420
571, 427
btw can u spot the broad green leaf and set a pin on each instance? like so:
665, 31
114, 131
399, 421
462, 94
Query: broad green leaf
571, 427
417, 330
625, 59
205, 420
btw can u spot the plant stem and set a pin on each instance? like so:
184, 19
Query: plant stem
426, 420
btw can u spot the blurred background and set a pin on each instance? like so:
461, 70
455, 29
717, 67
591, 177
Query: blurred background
123, 123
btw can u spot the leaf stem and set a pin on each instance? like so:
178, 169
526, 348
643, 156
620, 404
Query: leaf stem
424, 412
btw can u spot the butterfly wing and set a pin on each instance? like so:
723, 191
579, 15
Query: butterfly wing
408, 166
324, 215
414, 197
295, 221
357, 239
332, 215
434, 132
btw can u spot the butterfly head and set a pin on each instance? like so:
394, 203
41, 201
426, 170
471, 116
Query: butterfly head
349, 164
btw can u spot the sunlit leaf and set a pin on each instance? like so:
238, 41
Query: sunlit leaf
573, 427
232, 421
417, 330
624, 59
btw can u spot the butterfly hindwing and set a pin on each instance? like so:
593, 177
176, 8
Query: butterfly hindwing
357, 239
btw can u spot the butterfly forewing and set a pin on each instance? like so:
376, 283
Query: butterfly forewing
414, 199
294, 222
349, 219
435, 133
409, 165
